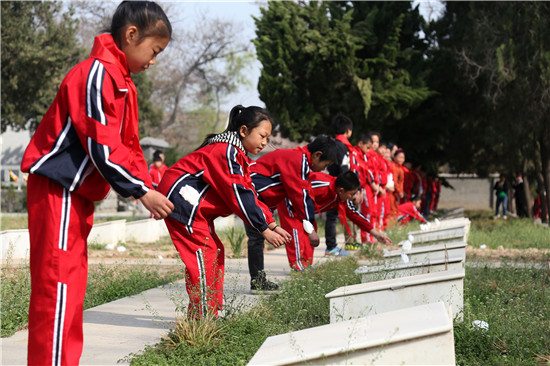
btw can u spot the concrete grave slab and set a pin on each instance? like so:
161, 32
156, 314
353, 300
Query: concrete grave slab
420, 335
441, 233
144, 231
389, 271
421, 253
15, 244
356, 301
110, 232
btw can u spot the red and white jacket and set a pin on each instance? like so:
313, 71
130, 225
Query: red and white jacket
214, 181
284, 173
157, 173
88, 139
326, 198
407, 212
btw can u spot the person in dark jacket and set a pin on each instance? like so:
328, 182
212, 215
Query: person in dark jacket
501, 189
519, 194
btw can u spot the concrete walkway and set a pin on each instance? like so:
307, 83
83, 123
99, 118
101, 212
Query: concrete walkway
115, 330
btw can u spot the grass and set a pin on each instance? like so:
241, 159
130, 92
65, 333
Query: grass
513, 299
515, 302
300, 304
518, 318
105, 283
13, 222
513, 233
19, 221
236, 238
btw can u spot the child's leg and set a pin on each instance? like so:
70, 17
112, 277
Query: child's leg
299, 252
367, 209
380, 201
203, 255
387, 209
499, 201
255, 252
59, 224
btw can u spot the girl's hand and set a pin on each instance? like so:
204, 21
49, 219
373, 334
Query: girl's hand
157, 204
273, 238
279, 230
381, 237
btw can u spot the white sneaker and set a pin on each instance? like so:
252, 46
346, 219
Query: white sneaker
504, 217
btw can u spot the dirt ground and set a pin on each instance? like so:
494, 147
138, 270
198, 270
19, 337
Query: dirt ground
522, 255
165, 250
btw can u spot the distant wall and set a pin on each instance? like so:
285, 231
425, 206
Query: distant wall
470, 192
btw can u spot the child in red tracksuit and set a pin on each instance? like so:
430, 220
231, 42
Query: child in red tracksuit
409, 211
157, 168
329, 193
343, 129
87, 141
284, 175
215, 181
387, 171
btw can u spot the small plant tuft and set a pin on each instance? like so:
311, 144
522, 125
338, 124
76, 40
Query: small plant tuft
236, 239
204, 333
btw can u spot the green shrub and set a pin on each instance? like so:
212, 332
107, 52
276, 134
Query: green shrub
12, 199
16, 292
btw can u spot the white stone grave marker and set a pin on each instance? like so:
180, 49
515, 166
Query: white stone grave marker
389, 271
364, 299
434, 251
421, 335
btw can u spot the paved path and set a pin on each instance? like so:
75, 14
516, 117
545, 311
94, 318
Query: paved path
117, 329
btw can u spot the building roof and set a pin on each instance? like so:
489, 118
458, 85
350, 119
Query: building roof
153, 142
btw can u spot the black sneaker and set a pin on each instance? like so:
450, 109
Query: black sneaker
262, 285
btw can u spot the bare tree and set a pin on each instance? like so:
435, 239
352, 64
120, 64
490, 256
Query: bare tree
195, 62
205, 61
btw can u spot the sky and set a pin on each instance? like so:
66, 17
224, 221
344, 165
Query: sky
242, 12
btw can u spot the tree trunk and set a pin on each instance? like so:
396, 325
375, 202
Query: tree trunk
545, 162
528, 197
541, 192
541, 189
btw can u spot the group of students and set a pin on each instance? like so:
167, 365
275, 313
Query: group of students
88, 143
392, 191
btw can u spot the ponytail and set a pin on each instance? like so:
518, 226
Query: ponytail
239, 116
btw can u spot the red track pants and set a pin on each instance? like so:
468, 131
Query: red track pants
203, 254
59, 224
298, 251
369, 209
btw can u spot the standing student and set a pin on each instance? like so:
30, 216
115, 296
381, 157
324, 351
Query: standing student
329, 193
501, 189
436, 189
519, 194
396, 197
377, 168
389, 185
283, 175
87, 141
343, 129
215, 181
157, 168
367, 170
